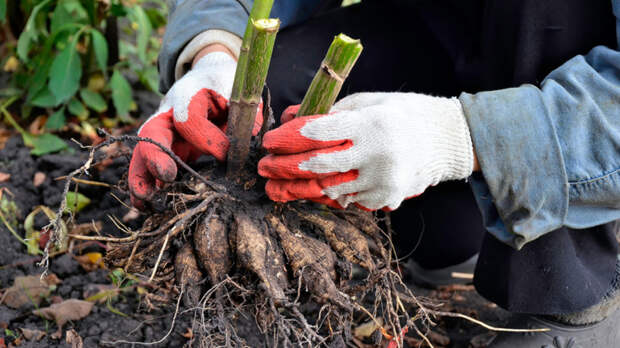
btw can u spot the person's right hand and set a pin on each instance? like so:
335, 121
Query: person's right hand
191, 120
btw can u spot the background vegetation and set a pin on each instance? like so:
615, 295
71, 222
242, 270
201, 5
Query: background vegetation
69, 65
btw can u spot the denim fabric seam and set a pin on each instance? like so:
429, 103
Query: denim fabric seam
602, 177
245, 5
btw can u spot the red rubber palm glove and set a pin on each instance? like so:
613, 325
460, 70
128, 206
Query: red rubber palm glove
285, 186
191, 121
373, 150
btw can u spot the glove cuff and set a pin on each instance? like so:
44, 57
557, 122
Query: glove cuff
454, 153
202, 40
217, 59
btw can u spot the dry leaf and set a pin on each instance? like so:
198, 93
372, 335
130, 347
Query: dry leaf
367, 329
87, 227
96, 82
30, 335
74, 338
80, 47
26, 289
11, 64
90, 261
4, 177
52, 279
39, 178
36, 127
5, 134
63, 312
189, 334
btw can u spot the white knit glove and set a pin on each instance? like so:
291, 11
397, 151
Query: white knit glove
373, 149
191, 120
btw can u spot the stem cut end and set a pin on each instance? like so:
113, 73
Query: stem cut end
266, 24
324, 89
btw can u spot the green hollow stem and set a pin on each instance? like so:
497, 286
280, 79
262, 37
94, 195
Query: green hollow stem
242, 112
336, 66
260, 10
259, 57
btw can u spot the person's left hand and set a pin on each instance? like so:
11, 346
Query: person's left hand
373, 149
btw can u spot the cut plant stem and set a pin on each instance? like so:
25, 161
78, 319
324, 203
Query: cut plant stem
242, 111
260, 10
324, 89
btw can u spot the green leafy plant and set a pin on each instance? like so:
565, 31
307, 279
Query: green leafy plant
76, 202
122, 282
70, 60
11, 334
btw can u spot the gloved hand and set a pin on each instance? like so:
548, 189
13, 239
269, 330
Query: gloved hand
373, 149
191, 120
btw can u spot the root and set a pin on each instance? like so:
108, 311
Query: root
343, 237
55, 226
307, 265
257, 252
188, 274
211, 246
290, 268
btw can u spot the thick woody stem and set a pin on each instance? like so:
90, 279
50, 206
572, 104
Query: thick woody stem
327, 82
260, 10
242, 111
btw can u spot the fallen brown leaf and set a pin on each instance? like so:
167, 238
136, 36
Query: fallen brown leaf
26, 289
5, 134
36, 127
63, 312
11, 64
30, 335
368, 328
189, 334
55, 299
52, 279
87, 227
90, 261
4, 177
74, 338
38, 179
16, 342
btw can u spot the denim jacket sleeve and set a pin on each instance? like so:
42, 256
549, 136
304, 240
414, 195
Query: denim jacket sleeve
550, 156
188, 18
